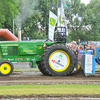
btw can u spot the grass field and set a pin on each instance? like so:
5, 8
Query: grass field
50, 89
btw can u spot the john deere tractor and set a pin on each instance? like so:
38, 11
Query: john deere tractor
52, 58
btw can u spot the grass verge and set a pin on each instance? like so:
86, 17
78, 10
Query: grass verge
50, 89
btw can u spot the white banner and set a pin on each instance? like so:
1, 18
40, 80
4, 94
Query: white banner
60, 22
52, 23
88, 64
62, 19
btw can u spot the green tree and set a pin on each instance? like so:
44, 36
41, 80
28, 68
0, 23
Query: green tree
28, 17
94, 19
8, 10
44, 10
33, 13
75, 18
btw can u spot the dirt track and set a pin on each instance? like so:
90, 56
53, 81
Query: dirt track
51, 97
36, 77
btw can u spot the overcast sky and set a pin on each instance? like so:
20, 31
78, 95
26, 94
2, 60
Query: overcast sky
85, 1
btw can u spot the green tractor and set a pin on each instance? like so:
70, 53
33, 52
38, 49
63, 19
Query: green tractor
52, 58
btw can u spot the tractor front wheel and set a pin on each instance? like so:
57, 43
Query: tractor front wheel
6, 68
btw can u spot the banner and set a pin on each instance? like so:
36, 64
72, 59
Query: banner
88, 64
52, 23
60, 22
61, 16
65, 6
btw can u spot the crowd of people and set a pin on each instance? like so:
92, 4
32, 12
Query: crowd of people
77, 45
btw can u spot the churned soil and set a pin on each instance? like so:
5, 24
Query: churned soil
50, 97
36, 77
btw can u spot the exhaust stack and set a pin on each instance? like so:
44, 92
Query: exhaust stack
19, 34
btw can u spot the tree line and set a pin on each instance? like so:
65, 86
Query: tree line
30, 15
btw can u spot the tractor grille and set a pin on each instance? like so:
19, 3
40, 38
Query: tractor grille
12, 51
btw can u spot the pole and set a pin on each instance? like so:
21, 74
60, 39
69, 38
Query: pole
13, 26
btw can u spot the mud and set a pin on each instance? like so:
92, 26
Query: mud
36, 77
78, 73
51, 97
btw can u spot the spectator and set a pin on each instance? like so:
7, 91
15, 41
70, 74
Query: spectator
85, 45
75, 47
78, 42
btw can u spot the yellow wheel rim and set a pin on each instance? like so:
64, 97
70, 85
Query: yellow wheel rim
5, 68
59, 60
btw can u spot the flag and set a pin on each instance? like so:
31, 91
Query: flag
52, 6
65, 5
61, 16
52, 24
62, 12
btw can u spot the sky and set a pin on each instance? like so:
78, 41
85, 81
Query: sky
85, 1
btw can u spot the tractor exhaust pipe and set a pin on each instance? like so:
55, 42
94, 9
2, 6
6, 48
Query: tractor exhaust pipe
19, 34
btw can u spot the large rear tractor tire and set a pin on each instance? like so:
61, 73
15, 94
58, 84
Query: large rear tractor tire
57, 60
6, 68
40, 68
